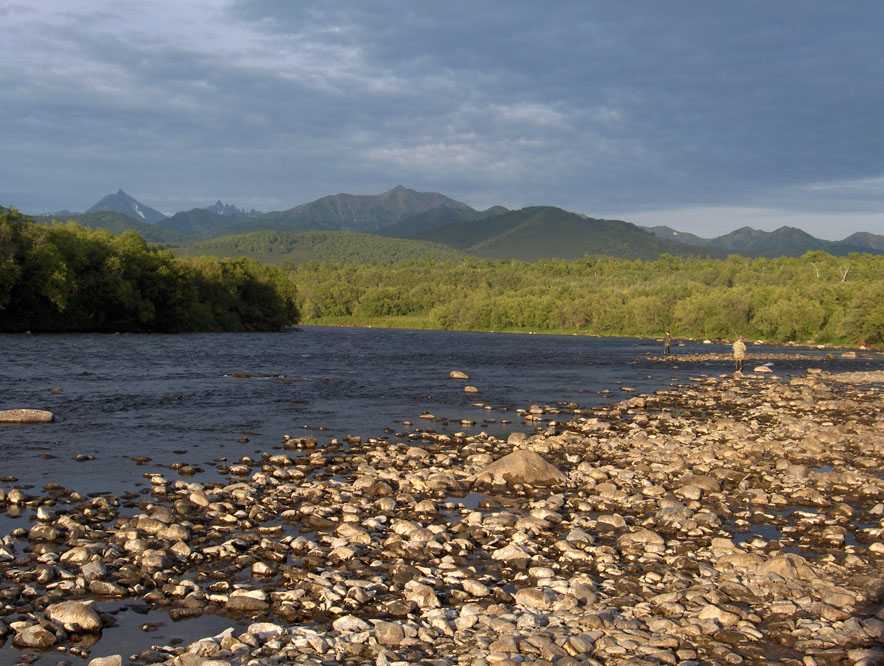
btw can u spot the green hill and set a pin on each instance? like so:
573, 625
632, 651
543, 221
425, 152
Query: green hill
547, 232
415, 225
114, 222
202, 223
298, 247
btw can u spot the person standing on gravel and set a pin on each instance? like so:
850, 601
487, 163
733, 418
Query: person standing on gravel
739, 354
667, 343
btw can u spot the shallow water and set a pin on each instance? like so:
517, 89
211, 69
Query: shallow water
173, 397
128, 638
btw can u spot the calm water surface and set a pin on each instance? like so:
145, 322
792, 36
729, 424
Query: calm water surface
174, 398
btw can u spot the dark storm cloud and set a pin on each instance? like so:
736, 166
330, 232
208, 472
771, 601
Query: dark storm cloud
604, 107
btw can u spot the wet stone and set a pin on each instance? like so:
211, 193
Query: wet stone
732, 520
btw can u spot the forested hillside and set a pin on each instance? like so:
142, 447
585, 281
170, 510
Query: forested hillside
114, 222
286, 247
816, 298
546, 232
64, 277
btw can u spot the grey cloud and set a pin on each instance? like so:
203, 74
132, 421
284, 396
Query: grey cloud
638, 106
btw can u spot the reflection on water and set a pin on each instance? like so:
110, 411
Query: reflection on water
136, 630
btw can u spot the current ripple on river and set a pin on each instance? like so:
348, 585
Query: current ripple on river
174, 398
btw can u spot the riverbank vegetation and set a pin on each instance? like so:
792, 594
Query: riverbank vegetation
815, 298
64, 277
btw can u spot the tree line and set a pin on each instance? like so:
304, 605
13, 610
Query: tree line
64, 277
814, 298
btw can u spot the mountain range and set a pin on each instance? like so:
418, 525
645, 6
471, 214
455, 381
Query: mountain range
440, 222
782, 242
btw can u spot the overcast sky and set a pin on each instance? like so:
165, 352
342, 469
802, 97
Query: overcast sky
702, 115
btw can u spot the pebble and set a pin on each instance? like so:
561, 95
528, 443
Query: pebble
720, 522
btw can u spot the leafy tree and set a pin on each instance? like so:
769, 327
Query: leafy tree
63, 277
815, 298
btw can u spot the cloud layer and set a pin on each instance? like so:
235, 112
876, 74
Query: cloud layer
643, 109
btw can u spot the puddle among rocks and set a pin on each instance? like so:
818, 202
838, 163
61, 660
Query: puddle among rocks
765, 531
469, 501
11, 521
128, 638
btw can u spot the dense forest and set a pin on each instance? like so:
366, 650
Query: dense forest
814, 298
64, 277
295, 247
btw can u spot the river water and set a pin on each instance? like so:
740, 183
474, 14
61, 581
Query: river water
183, 398
200, 398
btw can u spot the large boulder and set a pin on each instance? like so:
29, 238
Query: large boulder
247, 600
642, 539
350, 623
789, 566
388, 633
75, 616
521, 466
26, 416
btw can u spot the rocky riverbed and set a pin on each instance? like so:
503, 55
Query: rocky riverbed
755, 356
735, 520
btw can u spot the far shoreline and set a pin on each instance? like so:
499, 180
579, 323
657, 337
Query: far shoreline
419, 324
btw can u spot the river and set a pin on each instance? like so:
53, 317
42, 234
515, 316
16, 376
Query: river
197, 398
200, 399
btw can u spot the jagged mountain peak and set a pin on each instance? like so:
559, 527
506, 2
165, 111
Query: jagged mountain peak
221, 208
122, 202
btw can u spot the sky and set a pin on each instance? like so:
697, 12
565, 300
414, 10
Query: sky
705, 116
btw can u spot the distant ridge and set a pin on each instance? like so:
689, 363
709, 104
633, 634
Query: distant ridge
866, 240
419, 223
365, 212
782, 242
541, 232
221, 208
668, 233
401, 212
343, 212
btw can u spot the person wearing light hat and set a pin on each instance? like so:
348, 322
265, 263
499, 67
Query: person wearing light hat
739, 354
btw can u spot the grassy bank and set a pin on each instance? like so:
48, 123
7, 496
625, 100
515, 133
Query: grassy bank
427, 324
